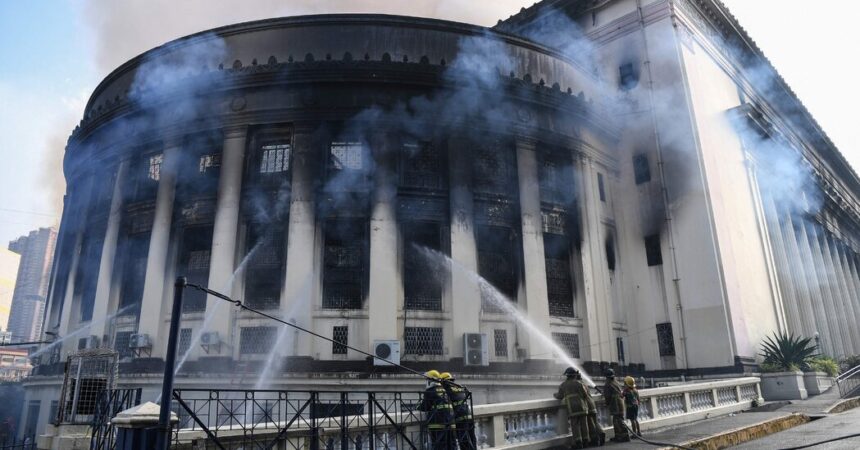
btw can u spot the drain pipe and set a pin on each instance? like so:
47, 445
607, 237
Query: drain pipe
663, 190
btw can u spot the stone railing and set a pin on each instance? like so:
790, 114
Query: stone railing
532, 424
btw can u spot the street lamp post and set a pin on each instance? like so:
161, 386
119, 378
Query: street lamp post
169, 363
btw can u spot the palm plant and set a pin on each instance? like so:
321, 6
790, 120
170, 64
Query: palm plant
787, 351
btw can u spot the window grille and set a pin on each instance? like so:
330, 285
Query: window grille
346, 156
209, 162
601, 190
665, 339
423, 341
500, 341
641, 171
274, 158
120, 344
496, 263
422, 281
264, 274
653, 253
555, 181
256, 340
554, 222
184, 341
340, 335
344, 264
196, 246
559, 279
569, 342
422, 166
493, 168
154, 167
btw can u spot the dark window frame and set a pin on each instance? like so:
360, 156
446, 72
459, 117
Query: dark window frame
641, 169
653, 250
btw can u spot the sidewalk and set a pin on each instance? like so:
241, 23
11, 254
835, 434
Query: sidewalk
829, 427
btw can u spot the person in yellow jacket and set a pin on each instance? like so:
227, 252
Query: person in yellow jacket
464, 423
439, 419
573, 393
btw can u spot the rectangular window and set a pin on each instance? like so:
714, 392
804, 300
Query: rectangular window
87, 279
496, 263
609, 247
555, 181
344, 264
184, 342
569, 342
494, 168
423, 341
54, 411
346, 156
120, 344
274, 158
194, 263
340, 335
653, 253
153, 168
257, 340
265, 270
627, 77
209, 163
641, 169
133, 271
619, 346
665, 339
421, 166
33, 408
559, 280
145, 175
422, 281
500, 342
601, 190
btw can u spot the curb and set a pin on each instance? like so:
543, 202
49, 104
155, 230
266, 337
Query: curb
843, 405
746, 433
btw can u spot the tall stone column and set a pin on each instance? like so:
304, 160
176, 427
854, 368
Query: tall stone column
106, 265
854, 275
824, 269
785, 276
465, 294
303, 269
536, 303
155, 305
846, 316
819, 309
385, 282
799, 275
222, 261
597, 323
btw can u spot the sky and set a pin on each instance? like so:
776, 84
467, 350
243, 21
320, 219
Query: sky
54, 53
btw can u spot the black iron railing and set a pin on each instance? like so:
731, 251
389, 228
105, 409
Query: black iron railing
110, 403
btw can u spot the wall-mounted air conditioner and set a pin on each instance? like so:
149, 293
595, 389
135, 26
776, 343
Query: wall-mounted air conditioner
475, 349
139, 341
210, 341
388, 349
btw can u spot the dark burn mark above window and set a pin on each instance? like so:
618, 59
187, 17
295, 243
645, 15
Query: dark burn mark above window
628, 78
641, 169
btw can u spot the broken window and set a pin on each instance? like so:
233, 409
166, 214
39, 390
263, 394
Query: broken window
628, 79
641, 170
421, 166
601, 190
133, 271
145, 175
422, 280
653, 253
569, 342
494, 168
194, 263
665, 339
257, 340
500, 342
496, 263
340, 336
344, 264
423, 341
559, 280
265, 270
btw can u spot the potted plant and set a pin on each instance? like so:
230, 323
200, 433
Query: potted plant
784, 356
818, 374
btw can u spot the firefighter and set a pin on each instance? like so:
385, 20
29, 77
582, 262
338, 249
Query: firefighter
596, 435
574, 394
439, 418
464, 423
615, 402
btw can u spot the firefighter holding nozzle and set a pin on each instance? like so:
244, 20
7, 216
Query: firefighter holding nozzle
464, 423
439, 418
574, 394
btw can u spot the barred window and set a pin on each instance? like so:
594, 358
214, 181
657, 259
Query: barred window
340, 335
653, 253
194, 263
210, 162
346, 156
256, 340
120, 344
423, 341
344, 264
422, 166
265, 270
494, 168
496, 262
154, 166
559, 279
569, 342
555, 180
641, 171
665, 339
422, 282
500, 341
274, 158
184, 341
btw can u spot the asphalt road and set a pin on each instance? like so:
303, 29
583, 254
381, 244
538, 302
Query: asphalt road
819, 430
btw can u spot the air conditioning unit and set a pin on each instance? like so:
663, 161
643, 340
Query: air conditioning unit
210, 340
92, 342
475, 349
139, 340
389, 350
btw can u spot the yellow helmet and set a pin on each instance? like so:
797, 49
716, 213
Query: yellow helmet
445, 375
432, 374
630, 381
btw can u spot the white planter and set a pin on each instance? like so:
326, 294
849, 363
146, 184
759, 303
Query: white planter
816, 382
783, 386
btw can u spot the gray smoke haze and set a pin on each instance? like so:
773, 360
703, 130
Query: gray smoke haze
122, 30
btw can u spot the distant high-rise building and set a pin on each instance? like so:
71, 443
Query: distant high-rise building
31, 287
9, 262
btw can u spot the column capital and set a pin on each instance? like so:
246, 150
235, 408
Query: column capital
235, 130
526, 142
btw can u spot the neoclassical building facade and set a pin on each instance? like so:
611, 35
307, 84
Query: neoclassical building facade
624, 180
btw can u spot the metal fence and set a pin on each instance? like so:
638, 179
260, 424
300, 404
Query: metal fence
293, 420
110, 403
849, 382
87, 374
26, 444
